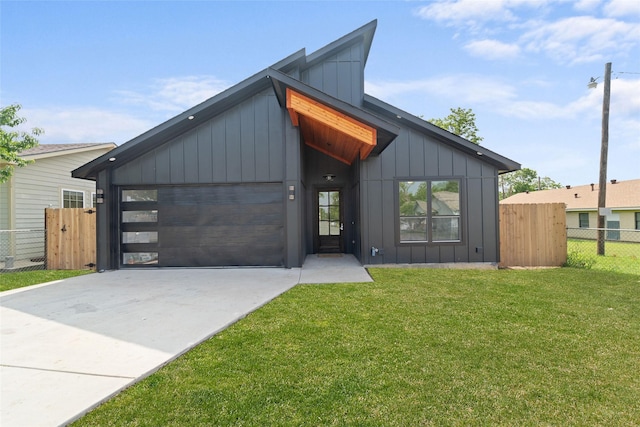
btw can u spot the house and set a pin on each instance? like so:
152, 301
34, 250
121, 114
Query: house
45, 183
292, 161
622, 203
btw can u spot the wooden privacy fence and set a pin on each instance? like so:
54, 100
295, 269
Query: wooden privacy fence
533, 235
70, 238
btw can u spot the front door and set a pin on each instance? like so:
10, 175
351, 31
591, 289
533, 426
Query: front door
330, 221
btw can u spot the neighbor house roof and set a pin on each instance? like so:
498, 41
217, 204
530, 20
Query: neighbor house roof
621, 195
52, 150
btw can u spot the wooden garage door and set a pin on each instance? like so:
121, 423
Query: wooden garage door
202, 226
222, 225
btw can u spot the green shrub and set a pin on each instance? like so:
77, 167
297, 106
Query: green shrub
580, 260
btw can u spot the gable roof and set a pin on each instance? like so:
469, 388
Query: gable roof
374, 112
219, 103
621, 195
52, 150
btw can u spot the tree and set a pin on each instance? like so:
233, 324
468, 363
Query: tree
461, 122
524, 180
13, 142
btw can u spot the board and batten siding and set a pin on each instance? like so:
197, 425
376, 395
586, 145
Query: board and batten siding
242, 145
39, 185
415, 155
340, 75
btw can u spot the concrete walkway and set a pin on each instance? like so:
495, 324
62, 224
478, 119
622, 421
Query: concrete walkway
67, 346
333, 268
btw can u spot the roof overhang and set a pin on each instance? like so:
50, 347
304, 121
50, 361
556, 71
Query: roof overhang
329, 131
329, 125
503, 164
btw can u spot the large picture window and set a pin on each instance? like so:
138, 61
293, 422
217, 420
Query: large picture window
429, 211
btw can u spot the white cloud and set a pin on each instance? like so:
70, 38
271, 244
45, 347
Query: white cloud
473, 13
464, 88
175, 94
582, 38
465, 11
622, 8
492, 49
568, 40
586, 5
84, 124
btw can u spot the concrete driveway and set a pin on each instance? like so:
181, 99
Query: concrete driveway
66, 347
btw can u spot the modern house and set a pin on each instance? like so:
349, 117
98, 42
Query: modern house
45, 183
292, 161
622, 204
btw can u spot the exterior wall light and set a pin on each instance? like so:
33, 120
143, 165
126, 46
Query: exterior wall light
329, 177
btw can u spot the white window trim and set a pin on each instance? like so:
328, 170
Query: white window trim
75, 191
93, 196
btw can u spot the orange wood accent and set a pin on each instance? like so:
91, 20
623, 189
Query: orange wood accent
329, 131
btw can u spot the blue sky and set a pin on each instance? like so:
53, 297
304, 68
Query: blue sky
108, 71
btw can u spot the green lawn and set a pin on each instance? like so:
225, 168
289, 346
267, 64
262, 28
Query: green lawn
621, 257
27, 278
417, 347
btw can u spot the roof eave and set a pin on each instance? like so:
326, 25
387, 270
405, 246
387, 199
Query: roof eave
181, 123
503, 164
386, 131
37, 156
175, 126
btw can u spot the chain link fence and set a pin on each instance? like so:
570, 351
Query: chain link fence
22, 250
621, 249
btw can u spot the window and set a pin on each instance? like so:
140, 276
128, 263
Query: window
329, 213
72, 199
583, 218
637, 220
429, 211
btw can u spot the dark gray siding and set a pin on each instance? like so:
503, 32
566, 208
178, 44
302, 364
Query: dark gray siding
243, 144
414, 155
340, 75
317, 164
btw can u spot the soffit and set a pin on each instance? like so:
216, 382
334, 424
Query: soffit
329, 131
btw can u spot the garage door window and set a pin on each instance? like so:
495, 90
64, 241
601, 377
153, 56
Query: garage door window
140, 216
139, 226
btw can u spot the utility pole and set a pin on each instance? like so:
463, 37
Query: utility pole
604, 148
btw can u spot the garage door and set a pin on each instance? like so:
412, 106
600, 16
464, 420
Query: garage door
201, 226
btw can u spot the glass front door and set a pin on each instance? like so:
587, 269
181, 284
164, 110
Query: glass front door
330, 222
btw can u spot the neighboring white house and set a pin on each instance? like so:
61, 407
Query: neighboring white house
45, 183
623, 200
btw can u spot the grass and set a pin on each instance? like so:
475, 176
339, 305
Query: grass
21, 279
417, 347
621, 257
